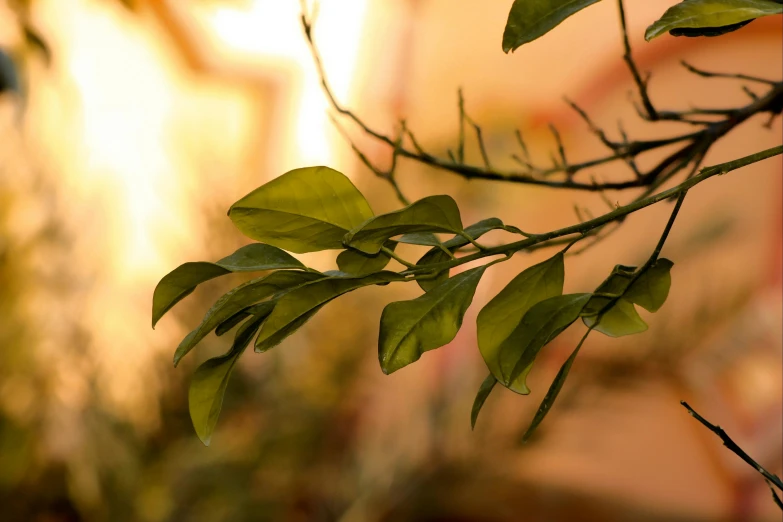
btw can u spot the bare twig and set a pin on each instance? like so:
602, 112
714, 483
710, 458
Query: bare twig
641, 84
388, 175
770, 478
626, 150
707, 74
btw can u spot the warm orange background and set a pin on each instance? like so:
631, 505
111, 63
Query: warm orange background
146, 126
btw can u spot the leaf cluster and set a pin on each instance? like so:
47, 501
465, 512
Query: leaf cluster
317, 208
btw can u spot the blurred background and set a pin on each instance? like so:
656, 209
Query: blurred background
134, 126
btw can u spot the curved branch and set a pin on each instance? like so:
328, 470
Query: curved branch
696, 143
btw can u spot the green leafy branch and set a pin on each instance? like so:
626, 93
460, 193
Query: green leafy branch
318, 208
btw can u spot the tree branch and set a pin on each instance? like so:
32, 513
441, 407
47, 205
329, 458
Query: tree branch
770, 478
695, 144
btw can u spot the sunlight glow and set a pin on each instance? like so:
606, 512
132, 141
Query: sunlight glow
269, 33
126, 98
129, 97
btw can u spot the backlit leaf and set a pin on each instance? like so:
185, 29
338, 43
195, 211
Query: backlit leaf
438, 255
241, 297
692, 32
208, 385
421, 238
304, 210
553, 392
430, 281
616, 284
543, 322
183, 280
180, 283
484, 390
498, 319
259, 310
231, 322
711, 15
431, 214
648, 289
358, 263
295, 308
651, 289
621, 319
530, 19
258, 256
410, 328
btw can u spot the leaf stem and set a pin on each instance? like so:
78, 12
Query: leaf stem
672, 218
389, 252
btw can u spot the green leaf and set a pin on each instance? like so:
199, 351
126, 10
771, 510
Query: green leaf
543, 322
259, 310
530, 19
410, 328
240, 298
498, 319
711, 15
258, 256
439, 255
208, 385
231, 322
691, 32
434, 280
431, 214
304, 210
421, 238
475, 231
616, 284
484, 391
621, 319
183, 280
358, 263
553, 392
180, 283
295, 308
651, 289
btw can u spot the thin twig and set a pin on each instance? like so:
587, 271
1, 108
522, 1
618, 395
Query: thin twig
654, 257
771, 478
693, 144
707, 74
388, 175
461, 148
641, 84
